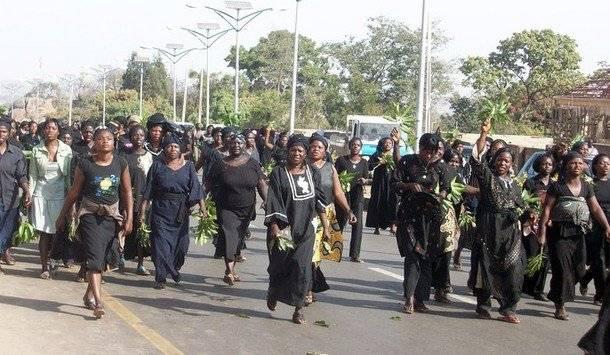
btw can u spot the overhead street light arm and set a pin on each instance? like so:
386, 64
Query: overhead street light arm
216, 36
224, 16
252, 16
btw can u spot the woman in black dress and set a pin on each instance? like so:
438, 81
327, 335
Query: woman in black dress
421, 180
381, 212
498, 261
235, 179
596, 245
538, 185
173, 187
354, 164
570, 202
102, 180
139, 161
294, 198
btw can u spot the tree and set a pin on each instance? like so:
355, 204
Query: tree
527, 69
382, 69
156, 82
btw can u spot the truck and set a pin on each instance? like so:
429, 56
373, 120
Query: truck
370, 129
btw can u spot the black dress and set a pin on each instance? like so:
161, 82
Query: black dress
381, 212
534, 285
567, 251
498, 259
597, 246
419, 225
292, 201
138, 164
172, 193
235, 188
355, 198
597, 340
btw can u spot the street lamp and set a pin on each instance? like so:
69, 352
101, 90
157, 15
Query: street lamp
234, 22
142, 60
174, 56
421, 92
295, 68
207, 39
12, 88
104, 71
70, 81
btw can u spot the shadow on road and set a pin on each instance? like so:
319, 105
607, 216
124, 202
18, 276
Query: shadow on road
41, 305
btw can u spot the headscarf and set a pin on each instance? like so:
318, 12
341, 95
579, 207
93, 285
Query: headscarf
225, 131
5, 123
156, 119
171, 138
318, 137
298, 139
239, 138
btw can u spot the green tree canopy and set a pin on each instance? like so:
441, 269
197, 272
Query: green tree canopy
156, 81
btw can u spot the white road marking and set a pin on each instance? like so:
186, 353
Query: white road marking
460, 298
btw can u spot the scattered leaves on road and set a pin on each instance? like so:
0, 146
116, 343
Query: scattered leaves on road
323, 323
395, 318
241, 315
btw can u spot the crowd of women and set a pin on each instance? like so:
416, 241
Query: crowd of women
116, 180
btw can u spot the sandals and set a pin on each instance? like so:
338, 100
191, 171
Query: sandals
297, 317
89, 303
236, 278
441, 297
141, 270
98, 311
271, 303
45, 275
561, 314
510, 318
483, 314
420, 307
229, 279
159, 285
408, 308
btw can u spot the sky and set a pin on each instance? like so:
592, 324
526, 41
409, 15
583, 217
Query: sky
47, 39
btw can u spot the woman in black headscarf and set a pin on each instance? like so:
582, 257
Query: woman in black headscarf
293, 199
381, 212
174, 188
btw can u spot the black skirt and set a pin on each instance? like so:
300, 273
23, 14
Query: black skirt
234, 226
567, 255
98, 234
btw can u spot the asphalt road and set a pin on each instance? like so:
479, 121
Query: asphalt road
362, 311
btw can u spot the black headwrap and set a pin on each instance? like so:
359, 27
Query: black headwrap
239, 138
156, 119
318, 137
6, 123
227, 131
298, 139
171, 138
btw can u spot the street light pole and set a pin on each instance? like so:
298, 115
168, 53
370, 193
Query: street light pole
422, 78
104, 71
207, 39
186, 84
142, 61
295, 67
174, 56
235, 23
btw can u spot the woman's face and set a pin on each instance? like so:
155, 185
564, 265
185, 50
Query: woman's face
251, 140
388, 144
441, 150
67, 138
104, 142
584, 149
283, 141
546, 166
455, 161
575, 167
355, 147
602, 167
217, 138
503, 163
155, 133
427, 154
87, 134
296, 155
137, 138
317, 151
3, 134
51, 131
235, 148
172, 151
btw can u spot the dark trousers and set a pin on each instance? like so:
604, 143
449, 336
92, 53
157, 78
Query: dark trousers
567, 256
417, 277
596, 259
440, 272
356, 239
